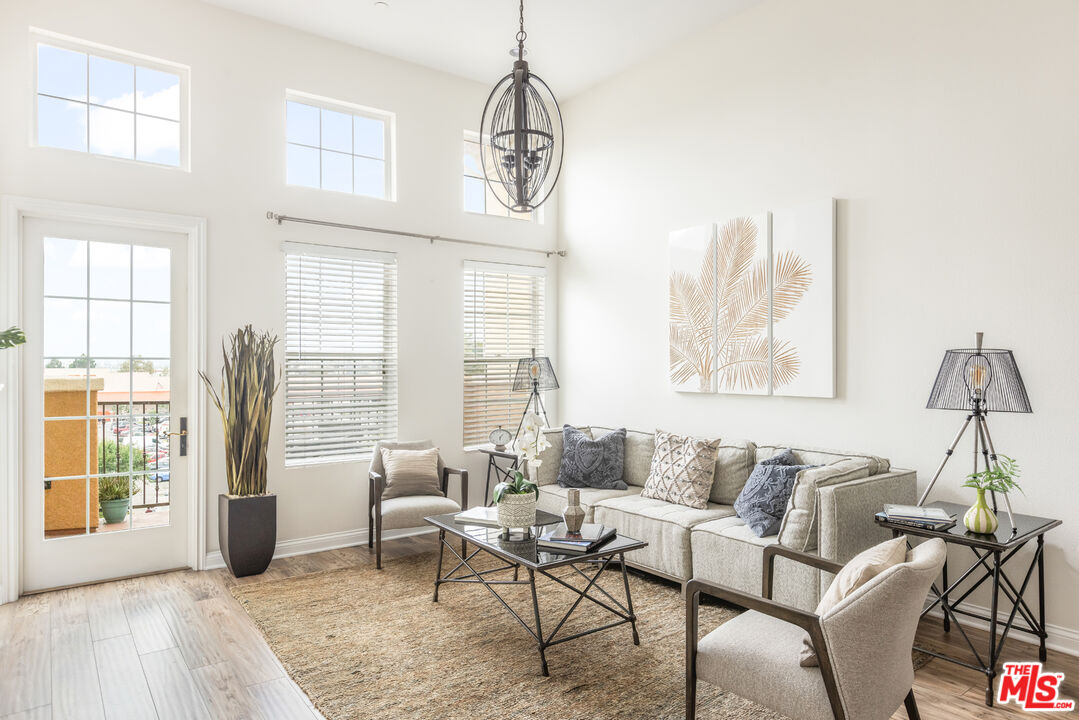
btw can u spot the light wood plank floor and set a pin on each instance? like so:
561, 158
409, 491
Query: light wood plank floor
179, 646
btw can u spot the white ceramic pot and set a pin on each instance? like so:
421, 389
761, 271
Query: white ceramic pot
517, 511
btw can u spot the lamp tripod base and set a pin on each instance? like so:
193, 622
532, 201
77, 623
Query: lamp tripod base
982, 440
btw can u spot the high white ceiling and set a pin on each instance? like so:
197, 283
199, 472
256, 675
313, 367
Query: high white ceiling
571, 43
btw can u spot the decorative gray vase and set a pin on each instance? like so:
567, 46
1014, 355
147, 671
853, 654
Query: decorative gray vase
573, 514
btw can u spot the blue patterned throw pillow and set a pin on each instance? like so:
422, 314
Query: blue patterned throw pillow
763, 500
588, 463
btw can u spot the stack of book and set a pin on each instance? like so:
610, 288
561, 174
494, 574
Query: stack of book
915, 516
590, 537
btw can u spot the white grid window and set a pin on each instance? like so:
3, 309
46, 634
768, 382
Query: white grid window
337, 146
477, 196
503, 322
106, 102
340, 353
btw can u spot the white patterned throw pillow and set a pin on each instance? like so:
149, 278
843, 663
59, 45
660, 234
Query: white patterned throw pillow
683, 469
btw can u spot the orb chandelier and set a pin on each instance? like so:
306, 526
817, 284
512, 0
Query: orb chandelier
521, 142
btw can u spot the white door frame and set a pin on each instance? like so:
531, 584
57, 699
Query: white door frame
13, 210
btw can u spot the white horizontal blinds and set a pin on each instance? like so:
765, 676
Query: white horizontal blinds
503, 321
340, 353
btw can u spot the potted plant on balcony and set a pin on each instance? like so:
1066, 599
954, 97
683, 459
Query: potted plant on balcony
113, 493
247, 514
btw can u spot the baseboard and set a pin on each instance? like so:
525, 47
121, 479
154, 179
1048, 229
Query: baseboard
1061, 639
318, 543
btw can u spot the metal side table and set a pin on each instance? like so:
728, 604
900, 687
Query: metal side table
991, 553
495, 471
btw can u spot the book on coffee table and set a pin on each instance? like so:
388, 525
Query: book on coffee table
590, 536
480, 515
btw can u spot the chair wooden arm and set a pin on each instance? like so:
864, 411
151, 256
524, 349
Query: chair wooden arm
446, 472
810, 622
376, 485
770, 553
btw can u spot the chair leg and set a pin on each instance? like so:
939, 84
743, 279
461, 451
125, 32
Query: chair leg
378, 543
370, 527
912, 706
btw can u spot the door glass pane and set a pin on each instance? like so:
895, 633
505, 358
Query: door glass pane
151, 273
66, 393
65, 507
114, 503
151, 330
110, 270
65, 267
66, 445
65, 328
150, 499
110, 328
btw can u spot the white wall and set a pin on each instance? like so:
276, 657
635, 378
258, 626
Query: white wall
240, 69
947, 131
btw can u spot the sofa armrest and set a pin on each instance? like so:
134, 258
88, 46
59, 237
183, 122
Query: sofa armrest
845, 522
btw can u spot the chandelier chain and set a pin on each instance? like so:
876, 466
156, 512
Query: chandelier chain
521, 34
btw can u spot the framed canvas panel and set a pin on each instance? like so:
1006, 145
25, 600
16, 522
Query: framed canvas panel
803, 300
743, 340
692, 309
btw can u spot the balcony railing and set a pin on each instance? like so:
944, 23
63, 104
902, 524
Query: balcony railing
135, 436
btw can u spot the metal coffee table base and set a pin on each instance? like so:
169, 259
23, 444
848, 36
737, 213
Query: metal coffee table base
469, 574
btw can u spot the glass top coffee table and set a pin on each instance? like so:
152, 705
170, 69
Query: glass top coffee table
515, 554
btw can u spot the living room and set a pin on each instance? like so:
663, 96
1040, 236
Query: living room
763, 244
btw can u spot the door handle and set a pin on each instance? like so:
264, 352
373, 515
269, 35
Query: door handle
182, 435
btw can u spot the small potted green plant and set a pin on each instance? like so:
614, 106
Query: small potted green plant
998, 478
114, 494
516, 502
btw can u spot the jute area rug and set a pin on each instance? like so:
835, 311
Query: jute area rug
364, 643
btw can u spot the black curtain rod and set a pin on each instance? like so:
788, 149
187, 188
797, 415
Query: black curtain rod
271, 215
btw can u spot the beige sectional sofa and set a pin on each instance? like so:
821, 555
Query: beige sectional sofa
830, 513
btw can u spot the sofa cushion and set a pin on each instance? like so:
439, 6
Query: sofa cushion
551, 458
588, 463
640, 446
409, 511
734, 461
683, 468
729, 553
799, 528
552, 498
823, 456
664, 526
763, 501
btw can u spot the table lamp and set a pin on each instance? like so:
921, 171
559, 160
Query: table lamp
978, 381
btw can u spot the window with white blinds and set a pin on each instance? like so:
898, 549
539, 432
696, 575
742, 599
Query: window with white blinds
340, 352
504, 318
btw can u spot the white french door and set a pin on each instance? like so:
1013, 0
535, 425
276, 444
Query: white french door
104, 394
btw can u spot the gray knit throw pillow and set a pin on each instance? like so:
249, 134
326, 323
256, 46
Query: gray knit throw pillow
588, 463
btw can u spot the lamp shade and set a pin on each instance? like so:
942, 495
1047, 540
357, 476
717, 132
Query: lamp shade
970, 377
535, 369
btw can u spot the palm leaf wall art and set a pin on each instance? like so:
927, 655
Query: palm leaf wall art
720, 315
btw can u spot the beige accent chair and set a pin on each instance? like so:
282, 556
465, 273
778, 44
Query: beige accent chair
404, 512
863, 644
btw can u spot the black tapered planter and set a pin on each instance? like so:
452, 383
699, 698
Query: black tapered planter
247, 532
